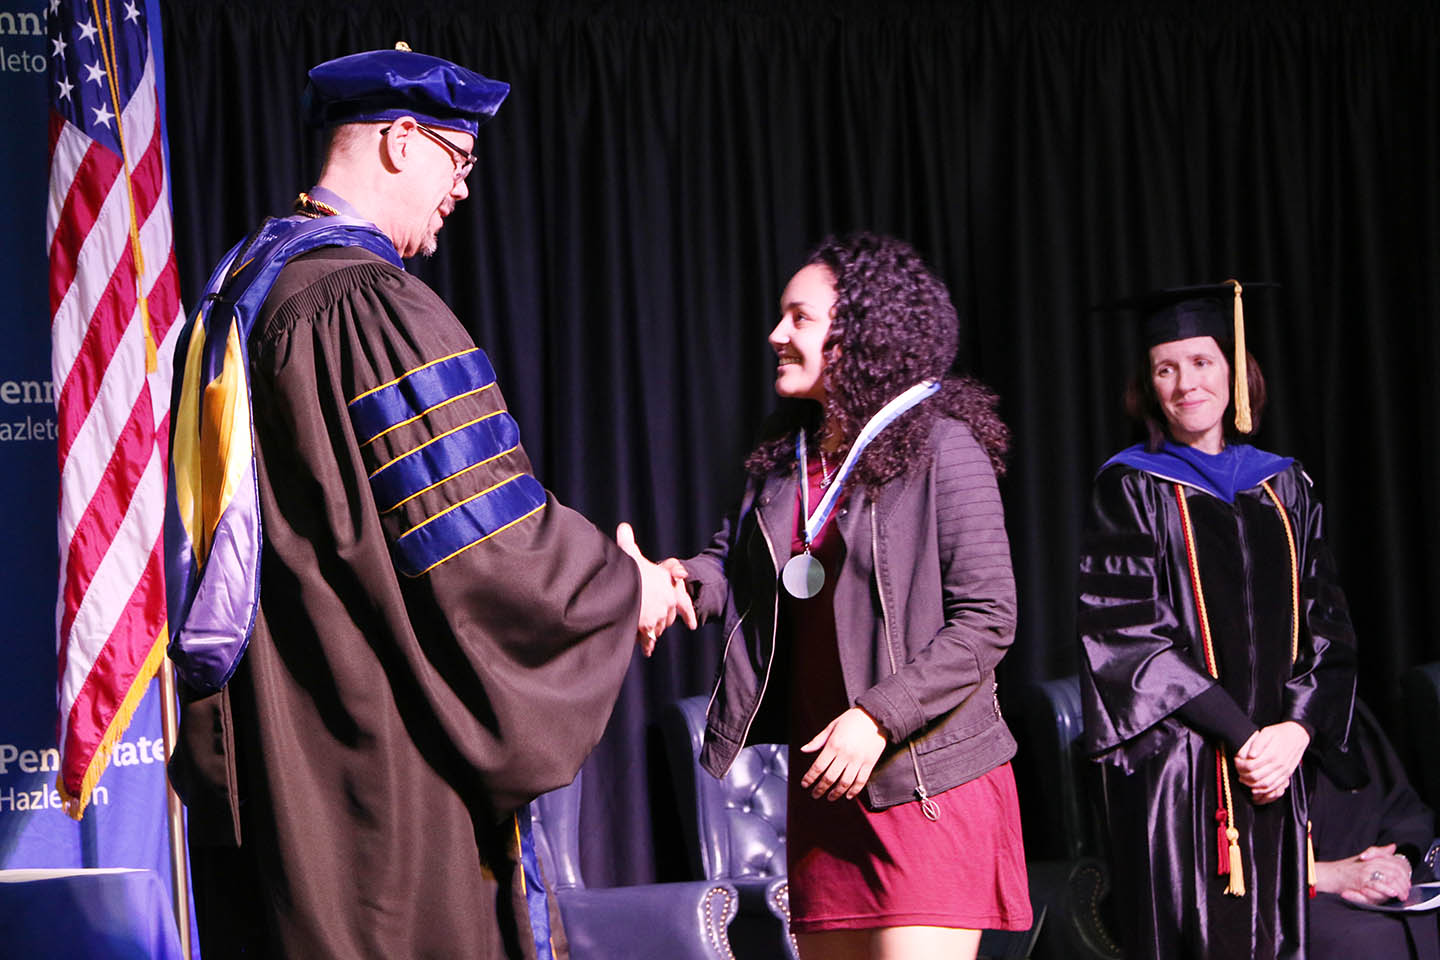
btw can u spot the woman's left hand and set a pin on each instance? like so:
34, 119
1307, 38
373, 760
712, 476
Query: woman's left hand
849, 746
1373, 875
1268, 759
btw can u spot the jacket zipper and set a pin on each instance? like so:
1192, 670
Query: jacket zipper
724, 652
927, 806
774, 619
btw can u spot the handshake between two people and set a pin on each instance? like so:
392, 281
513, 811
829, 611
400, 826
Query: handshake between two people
663, 596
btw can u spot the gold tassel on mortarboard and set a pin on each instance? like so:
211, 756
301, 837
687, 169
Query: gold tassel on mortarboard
1243, 422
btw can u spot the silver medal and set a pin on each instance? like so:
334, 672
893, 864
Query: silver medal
803, 576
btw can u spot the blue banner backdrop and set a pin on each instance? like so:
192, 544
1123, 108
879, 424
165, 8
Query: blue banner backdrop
125, 823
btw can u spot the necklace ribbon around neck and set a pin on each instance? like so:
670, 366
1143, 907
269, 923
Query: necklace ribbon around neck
803, 576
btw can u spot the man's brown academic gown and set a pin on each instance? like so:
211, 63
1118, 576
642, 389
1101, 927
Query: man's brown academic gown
438, 641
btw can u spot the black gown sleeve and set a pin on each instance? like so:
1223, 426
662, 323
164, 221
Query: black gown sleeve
1363, 798
1216, 715
1137, 665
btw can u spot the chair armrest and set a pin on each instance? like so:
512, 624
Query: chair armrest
777, 897
686, 921
1070, 892
762, 929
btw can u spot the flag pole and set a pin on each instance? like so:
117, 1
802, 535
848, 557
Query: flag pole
179, 864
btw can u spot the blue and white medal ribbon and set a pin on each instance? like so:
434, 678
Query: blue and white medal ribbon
803, 575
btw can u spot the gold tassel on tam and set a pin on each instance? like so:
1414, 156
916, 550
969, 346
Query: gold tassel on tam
1243, 422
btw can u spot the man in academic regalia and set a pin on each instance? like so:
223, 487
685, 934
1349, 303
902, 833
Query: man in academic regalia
391, 636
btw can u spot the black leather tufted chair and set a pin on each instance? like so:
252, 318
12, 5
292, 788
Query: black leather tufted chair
663, 921
1051, 726
1068, 877
735, 828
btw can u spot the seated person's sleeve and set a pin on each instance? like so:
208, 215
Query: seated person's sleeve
1363, 798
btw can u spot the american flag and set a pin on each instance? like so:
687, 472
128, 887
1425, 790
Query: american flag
115, 303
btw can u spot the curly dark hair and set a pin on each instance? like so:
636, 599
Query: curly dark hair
893, 325
1143, 406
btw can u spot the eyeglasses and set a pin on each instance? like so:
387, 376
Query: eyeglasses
463, 160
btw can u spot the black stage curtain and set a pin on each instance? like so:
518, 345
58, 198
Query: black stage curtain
660, 169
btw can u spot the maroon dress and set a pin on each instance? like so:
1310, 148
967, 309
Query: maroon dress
851, 868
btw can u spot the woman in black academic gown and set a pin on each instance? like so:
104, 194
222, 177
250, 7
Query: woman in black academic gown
1215, 648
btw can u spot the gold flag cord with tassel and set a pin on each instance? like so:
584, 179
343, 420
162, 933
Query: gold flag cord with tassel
107, 50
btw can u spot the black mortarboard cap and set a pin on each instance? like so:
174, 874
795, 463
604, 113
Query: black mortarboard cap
380, 85
1205, 310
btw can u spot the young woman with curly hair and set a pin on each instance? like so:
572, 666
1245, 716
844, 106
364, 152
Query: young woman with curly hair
876, 661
